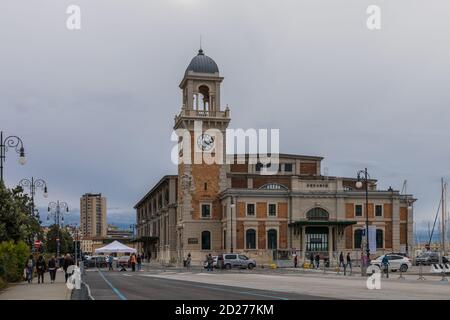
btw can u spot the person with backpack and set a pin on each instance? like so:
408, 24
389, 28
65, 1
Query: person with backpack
41, 267
52, 269
210, 262
68, 261
29, 267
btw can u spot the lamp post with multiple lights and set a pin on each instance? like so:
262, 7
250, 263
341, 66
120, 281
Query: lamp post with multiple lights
363, 180
32, 185
10, 142
54, 209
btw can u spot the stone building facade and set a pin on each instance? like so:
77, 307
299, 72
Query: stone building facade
232, 206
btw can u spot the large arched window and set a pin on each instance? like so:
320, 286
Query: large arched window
380, 240
358, 238
250, 239
272, 239
317, 214
206, 240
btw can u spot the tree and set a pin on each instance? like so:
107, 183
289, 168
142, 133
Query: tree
16, 220
65, 240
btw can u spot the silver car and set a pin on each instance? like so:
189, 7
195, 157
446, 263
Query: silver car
234, 260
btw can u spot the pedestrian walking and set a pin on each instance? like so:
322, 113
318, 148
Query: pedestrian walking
29, 267
110, 263
188, 261
139, 262
349, 262
311, 260
52, 269
317, 261
133, 262
41, 267
295, 260
341, 260
210, 262
68, 261
385, 263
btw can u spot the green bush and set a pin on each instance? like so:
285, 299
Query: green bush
12, 260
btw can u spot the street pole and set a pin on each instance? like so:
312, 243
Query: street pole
363, 178
54, 208
10, 142
231, 227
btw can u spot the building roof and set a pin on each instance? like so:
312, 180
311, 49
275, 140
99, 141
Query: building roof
201, 63
163, 179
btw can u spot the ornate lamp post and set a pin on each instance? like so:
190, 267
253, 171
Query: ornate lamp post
10, 142
54, 209
363, 180
32, 185
232, 206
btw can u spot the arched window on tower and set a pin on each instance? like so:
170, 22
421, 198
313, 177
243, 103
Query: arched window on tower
203, 102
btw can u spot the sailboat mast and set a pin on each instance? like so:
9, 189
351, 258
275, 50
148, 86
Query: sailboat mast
443, 220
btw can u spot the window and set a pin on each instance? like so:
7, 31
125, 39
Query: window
272, 209
206, 240
230, 257
358, 238
206, 186
272, 239
206, 210
250, 239
250, 209
317, 214
379, 239
358, 210
378, 210
288, 167
242, 257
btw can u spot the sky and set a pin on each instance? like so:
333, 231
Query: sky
95, 106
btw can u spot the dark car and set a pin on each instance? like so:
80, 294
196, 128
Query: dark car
427, 258
96, 262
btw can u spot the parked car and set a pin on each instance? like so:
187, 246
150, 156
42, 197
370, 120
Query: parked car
123, 261
427, 258
96, 262
234, 260
396, 262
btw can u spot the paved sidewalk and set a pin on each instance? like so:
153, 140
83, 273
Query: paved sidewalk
35, 291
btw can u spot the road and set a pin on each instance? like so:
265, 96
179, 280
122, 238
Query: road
115, 285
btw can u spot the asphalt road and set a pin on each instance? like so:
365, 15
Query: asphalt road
116, 285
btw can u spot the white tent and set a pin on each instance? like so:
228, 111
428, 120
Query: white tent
115, 246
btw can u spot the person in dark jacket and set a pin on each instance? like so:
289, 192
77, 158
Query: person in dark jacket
41, 267
68, 261
52, 269
139, 262
349, 262
311, 260
29, 267
317, 261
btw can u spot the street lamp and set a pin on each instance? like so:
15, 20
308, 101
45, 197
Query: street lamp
363, 179
32, 185
10, 142
54, 209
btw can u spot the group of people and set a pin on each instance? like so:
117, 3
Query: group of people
135, 261
50, 266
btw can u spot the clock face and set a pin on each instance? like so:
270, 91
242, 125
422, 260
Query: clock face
205, 142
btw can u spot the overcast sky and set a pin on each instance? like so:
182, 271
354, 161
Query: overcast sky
95, 107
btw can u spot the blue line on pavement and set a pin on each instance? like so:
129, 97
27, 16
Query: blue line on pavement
117, 292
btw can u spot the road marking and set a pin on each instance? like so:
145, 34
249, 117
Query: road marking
127, 275
117, 292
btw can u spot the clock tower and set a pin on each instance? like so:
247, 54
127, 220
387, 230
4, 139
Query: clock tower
202, 169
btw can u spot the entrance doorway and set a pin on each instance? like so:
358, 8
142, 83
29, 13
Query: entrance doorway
316, 239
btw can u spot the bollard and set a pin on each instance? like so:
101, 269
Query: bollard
421, 277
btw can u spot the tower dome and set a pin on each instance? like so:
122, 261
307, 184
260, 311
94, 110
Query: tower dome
201, 63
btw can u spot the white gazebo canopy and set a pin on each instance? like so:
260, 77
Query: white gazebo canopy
114, 247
